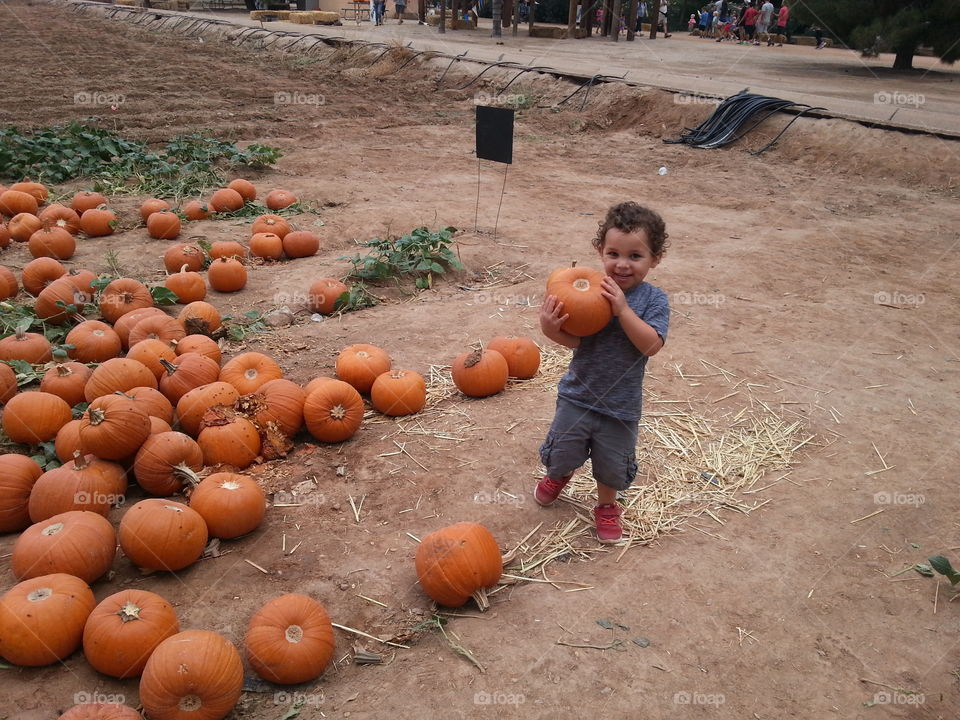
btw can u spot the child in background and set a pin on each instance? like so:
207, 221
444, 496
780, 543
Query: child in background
692, 22
599, 398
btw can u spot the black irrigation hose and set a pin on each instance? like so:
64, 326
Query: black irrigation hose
502, 63
454, 59
727, 123
535, 68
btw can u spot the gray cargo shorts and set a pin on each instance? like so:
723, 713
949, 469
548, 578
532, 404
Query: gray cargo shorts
577, 434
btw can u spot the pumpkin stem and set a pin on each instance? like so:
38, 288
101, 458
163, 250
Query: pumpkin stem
473, 358
184, 472
168, 366
97, 416
480, 597
64, 371
129, 611
573, 264
79, 462
338, 412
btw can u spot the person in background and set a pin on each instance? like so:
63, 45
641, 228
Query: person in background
400, 8
662, 21
704, 22
642, 14
750, 15
818, 34
766, 19
691, 23
783, 16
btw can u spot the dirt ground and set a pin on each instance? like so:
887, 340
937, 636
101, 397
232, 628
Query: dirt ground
821, 273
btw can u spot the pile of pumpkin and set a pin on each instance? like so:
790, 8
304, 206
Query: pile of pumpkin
50, 236
136, 633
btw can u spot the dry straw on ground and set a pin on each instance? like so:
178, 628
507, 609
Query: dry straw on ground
695, 461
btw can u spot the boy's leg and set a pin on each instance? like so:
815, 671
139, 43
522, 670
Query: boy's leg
565, 449
614, 458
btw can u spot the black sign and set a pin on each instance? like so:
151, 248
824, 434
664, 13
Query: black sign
495, 134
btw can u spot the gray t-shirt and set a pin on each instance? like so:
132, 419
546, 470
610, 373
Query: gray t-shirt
606, 373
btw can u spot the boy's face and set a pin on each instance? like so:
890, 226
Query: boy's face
626, 257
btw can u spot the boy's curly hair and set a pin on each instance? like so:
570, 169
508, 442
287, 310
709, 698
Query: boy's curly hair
629, 217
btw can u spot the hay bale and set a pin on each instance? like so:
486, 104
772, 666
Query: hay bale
323, 17
555, 33
301, 17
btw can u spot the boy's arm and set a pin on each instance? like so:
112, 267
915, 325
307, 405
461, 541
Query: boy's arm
643, 336
551, 318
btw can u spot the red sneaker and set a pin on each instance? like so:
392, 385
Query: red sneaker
548, 490
609, 530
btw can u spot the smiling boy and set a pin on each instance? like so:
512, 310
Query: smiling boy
599, 399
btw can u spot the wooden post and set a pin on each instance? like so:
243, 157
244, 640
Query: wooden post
615, 21
443, 16
533, 10
516, 17
572, 19
507, 12
654, 17
455, 13
632, 19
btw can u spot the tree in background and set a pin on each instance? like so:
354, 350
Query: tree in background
898, 26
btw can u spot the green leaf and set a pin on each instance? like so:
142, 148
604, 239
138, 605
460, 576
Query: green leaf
924, 569
943, 566
162, 295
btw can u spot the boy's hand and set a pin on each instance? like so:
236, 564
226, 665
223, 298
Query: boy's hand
551, 316
612, 292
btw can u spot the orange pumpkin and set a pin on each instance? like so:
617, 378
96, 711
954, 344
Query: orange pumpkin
113, 427
129, 320
183, 256
18, 473
86, 483
196, 210
33, 348
100, 711
246, 189
77, 542
123, 295
151, 206
324, 294
163, 225
152, 402
93, 342
39, 273
200, 344
226, 249
160, 327
118, 375
98, 222
38, 190
160, 534
399, 392
66, 381
278, 403
361, 364
8, 383
270, 224
193, 405
231, 504
166, 462
279, 199
521, 353
226, 200
23, 225
42, 619
4, 236
228, 439
60, 301
480, 373
124, 629
301, 243
457, 562
186, 372
34, 417
52, 241
187, 285
14, 202
67, 443
9, 286
62, 217
290, 640
227, 275
579, 289
150, 352
333, 411
196, 669
249, 370
267, 246
86, 200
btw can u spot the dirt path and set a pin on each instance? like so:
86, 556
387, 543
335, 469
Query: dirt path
827, 286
